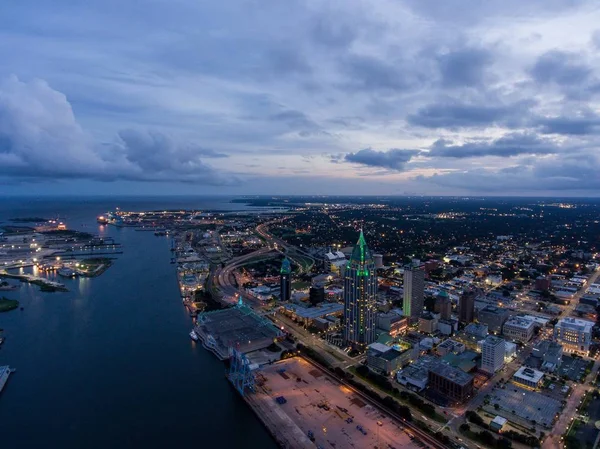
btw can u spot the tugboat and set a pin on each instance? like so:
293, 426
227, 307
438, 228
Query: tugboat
193, 336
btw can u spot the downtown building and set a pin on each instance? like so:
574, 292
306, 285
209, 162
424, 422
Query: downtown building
414, 292
574, 334
493, 351
360, 292
466, 307
285, 281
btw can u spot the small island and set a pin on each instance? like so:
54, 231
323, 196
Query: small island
7, 305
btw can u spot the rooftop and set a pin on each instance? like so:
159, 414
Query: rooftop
520, 321
576, 323
493, 340
310, 313
529, 374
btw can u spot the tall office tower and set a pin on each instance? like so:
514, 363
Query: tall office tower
414, 292
443, 305
492, 354
285, 281
466, 306
360, 289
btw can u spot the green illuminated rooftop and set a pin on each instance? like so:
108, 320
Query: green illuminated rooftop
361, 252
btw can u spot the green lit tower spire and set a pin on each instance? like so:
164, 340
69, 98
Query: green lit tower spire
285, 280
360, 290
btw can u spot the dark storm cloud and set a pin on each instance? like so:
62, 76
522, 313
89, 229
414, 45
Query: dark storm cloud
41, 139
393, 159
560, 67
560, 173
465, 67
454, 114
514, 144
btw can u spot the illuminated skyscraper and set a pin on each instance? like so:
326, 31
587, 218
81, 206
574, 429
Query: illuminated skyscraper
285, 281
360, 289
414, 292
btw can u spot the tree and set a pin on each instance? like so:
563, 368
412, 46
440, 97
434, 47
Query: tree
464, 427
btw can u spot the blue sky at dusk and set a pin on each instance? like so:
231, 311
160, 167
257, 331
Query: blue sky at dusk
300, 97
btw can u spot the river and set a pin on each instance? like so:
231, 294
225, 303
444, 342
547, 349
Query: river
109, 364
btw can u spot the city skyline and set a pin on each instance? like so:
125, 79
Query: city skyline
494, 98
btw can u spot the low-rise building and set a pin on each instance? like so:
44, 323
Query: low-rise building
428, 323
529, 377
452, 383
387, 359
393, 323
519, 328
447, 327
498, 423
510, 351
574, 334
494, 317
550, 353
449, 346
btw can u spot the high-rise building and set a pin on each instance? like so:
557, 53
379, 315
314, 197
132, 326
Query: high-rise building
466, 306
285, 280
316, 295
360, 290
414, 292
443, 305
492, 354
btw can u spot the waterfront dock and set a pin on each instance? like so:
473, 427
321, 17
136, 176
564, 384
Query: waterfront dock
45, 284
4, 373
287, 434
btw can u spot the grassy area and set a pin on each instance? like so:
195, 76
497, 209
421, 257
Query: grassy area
95, 266
8, 304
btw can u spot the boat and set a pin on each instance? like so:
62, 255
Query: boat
102, 220
193, 336
4, 373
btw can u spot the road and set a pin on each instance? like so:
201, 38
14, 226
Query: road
280, 244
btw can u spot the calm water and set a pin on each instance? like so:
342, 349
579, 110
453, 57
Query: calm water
110, 363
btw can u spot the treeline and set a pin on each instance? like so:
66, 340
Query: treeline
528, 440
384, 383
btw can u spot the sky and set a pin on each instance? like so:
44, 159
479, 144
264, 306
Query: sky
386, 97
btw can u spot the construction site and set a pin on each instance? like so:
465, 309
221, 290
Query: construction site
304, 407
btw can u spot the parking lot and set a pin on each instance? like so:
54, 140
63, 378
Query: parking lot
526, 404
574, 369
328, 411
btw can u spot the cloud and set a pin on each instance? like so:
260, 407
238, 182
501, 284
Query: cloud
513, 144
560, 67
559, 173
454, 114
464, 67
369, 73
577, 125
40, 138
393, 159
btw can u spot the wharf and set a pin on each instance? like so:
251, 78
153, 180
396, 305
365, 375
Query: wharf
4, 373
31, 279
287, 434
